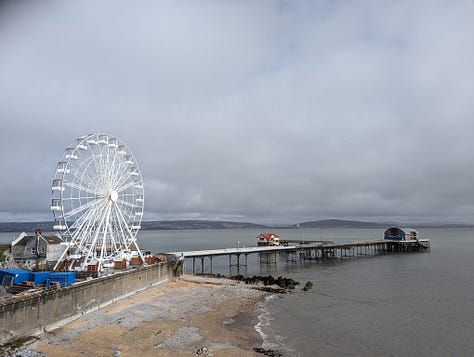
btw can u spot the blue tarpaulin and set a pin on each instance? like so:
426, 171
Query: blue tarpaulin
18, 275
39, 277
64, 279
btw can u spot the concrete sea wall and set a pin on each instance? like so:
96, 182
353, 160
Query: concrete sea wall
30, 314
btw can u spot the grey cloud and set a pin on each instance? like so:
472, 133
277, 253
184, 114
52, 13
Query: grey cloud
268, 111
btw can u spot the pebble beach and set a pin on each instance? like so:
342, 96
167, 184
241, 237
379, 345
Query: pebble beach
185, 317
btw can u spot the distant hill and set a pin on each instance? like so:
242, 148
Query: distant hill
27, 227
341, 223
148, 225
351, 224
46, 226
441, 225
199, 224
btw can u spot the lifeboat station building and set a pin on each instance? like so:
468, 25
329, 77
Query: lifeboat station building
401, 234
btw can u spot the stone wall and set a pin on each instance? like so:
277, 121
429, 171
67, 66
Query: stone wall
30, 314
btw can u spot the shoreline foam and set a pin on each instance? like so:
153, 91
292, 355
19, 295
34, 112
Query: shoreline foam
264, 322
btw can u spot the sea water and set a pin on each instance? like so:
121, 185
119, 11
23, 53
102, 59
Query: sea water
416, 304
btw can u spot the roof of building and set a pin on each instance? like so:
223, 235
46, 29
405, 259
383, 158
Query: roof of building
15, 271
49, 239
52, 239
268, 236
404, 230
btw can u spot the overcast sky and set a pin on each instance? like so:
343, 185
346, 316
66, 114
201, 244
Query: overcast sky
262, 111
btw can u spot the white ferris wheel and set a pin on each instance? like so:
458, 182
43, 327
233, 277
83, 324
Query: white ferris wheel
97, 200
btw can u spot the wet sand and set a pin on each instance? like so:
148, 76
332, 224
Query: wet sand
186, 317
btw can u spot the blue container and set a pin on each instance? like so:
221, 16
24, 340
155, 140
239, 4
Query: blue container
399, 237
39, 277
64, 279
19, 275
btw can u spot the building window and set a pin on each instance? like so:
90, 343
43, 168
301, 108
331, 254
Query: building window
33, 250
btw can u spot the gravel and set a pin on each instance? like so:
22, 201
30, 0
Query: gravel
184, 336
29, 352
170, 306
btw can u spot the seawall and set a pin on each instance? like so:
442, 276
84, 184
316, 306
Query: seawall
29, 314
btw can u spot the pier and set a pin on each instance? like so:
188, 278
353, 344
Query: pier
300, 250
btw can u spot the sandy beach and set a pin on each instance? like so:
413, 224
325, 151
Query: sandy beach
185, 317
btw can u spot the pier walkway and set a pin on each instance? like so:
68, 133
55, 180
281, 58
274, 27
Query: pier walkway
300, 250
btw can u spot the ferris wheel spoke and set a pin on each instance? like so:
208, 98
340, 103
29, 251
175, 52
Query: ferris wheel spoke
129, 232
119, 179
81, 234
79, 198
126, 186
78, 186
89, 172
93, 212
120, 225
81, 220
103, 248
125, 203
125, 178
89, 181
85, 224
91, 251
79, 209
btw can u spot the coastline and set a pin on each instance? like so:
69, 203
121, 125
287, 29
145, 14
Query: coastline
194, 315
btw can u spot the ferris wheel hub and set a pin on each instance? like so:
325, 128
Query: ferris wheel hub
113, 196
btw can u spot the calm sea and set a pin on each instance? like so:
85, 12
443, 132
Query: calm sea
419, 304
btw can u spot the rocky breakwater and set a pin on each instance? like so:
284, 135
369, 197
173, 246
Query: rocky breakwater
279, 285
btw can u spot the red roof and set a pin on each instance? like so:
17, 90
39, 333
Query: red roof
268, 236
